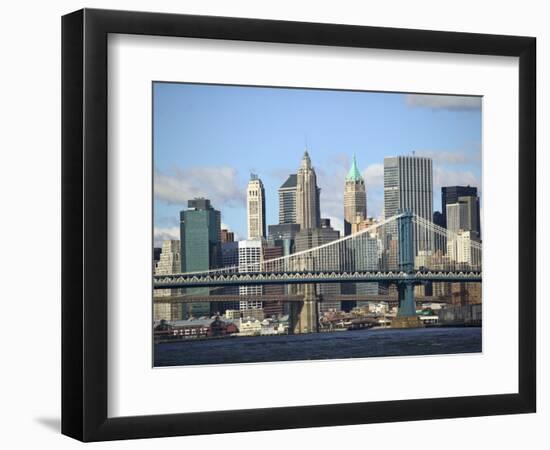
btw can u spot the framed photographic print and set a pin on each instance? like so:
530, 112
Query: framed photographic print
337, 220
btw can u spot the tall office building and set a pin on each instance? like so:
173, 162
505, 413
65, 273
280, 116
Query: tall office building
459, 249
168, 263
355, 198
230, 258
438, 219
408, 186
464, 215
287, 200
200, 230
227, 236
283, 235
273, 308
456, 217
472, 216
255, 201
308, 211
315, 237
250, 258
450, 194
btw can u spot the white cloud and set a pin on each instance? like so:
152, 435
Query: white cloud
165, 234
332, 188
450, 157
337, 224
219, 184
443, 177
443, 102
374, 175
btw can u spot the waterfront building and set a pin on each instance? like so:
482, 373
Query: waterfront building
193, 329
200, 230
232, 314
287, 200
308, 211
450, 194
355, 198
168, 263
255, 201
250, 327
253, 314
250, 259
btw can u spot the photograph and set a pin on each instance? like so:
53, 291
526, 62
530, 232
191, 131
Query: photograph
295, 224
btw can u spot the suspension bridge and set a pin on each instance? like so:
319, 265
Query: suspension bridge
404, 250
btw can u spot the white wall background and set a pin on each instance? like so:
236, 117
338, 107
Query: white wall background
30, 226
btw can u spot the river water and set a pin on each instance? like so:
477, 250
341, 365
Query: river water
336, 345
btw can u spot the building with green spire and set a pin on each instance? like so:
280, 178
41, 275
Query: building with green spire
355, 198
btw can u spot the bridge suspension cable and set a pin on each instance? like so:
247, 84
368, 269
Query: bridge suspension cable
375, 248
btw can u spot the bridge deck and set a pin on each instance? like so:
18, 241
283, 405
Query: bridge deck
257, 278
290, 298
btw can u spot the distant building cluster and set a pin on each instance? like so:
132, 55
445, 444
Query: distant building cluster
204, 245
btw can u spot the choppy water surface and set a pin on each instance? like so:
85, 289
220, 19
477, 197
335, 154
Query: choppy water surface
345, 344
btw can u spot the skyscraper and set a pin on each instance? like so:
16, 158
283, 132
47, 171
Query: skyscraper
227, 236
450, 194
308, 212
230, 258
169, 263
255, 201
464, 215
200, 230
355, 198
287, 200
472, 219
250, 258
408, 186
456, 216
315, 237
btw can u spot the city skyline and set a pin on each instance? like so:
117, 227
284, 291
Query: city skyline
181, 174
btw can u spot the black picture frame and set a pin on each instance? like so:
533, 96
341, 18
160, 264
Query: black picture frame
84, 224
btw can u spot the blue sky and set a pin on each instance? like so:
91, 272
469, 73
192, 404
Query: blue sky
209, 138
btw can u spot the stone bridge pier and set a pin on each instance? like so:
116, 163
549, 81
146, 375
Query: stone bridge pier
304, 316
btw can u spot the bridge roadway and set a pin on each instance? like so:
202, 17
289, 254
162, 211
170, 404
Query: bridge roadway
292, 298
188, 280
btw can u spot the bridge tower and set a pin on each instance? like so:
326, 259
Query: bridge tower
406, 312
304, 317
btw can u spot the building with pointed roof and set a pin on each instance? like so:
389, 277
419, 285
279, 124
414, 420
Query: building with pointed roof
255, 202
308, 211
355, 198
